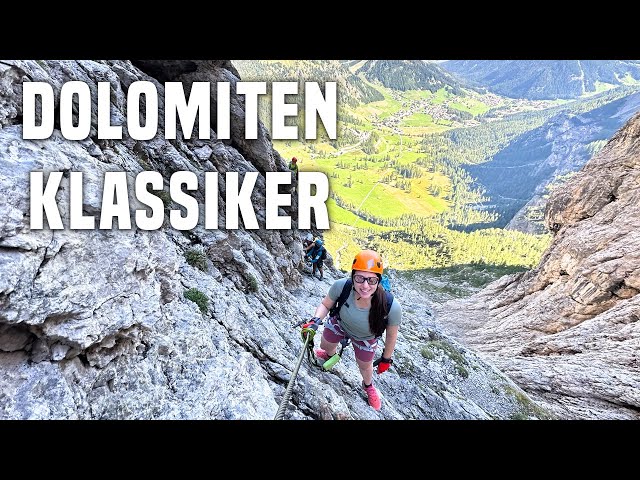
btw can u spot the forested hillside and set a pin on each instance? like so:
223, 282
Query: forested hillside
537, 158
404, 171
352, 91
409, 75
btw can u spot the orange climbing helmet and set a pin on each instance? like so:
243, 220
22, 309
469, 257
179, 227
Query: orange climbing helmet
294, 160
368, 261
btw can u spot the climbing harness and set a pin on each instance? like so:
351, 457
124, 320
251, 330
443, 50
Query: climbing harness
335, 358
309, 333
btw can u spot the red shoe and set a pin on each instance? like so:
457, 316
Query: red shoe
321, 354
372, 394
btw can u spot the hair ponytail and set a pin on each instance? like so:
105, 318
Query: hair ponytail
378, 311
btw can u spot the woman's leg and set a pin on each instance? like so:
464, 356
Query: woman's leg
331, 336
326, 345
364, 358
365, 352
366, 370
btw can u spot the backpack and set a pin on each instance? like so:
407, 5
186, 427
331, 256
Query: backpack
344, 296
386, 283
317, 253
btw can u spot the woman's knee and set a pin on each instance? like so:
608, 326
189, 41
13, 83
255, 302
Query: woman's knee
327, 345
330, 337
364, 357
364, 366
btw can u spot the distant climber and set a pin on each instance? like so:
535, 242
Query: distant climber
308, 240
316, 254
362, 316
293, 166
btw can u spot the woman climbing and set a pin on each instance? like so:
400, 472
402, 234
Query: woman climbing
362, 317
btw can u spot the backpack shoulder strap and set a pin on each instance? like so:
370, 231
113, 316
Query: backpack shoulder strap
389, 303
389, 300
344, 295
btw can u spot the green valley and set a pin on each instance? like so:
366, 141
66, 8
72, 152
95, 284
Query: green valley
408, 133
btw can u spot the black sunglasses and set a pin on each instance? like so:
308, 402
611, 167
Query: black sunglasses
361, 279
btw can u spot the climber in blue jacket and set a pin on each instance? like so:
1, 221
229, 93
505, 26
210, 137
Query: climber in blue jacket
316, 253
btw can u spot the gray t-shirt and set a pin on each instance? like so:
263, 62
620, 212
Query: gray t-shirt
354, 320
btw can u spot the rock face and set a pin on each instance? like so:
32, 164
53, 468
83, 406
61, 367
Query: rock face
568, 331
185, 324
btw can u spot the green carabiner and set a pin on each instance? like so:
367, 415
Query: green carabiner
307, 331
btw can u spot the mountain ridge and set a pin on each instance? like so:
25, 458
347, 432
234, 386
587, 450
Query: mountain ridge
562, 145
409, 75
546, 79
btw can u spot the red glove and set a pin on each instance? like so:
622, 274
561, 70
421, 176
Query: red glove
383, 364
310, 327
313, 324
